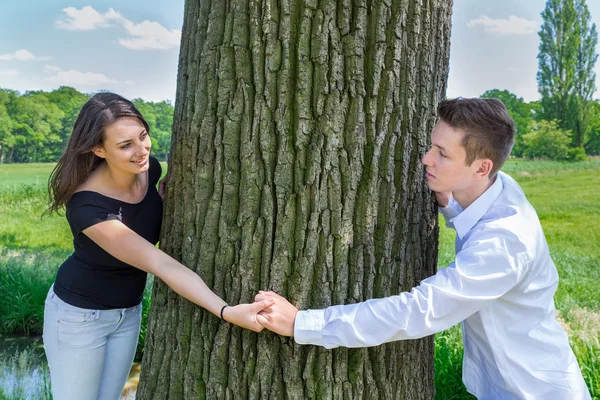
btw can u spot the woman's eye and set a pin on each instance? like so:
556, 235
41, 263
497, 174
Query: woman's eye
126, 145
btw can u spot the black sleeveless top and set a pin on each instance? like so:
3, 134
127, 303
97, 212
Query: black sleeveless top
91, 278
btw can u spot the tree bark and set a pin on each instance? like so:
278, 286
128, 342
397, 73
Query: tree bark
295, 167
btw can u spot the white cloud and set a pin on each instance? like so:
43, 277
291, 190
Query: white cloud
51, 68
21, 55
150, 35
511, 26
87, 19
73, 78
10, 72
142, 36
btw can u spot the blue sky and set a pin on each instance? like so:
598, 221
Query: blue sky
131, 47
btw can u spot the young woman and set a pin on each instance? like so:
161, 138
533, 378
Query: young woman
106, 180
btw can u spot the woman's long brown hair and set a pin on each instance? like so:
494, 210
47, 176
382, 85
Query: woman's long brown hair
78, 160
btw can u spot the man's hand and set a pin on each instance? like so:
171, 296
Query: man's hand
246, 315
443, 198
279, 317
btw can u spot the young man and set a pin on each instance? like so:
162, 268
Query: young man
500, 286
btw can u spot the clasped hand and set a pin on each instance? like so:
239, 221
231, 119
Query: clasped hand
279, 317
269, 310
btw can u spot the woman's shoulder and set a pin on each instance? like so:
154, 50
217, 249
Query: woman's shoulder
90, 193
90, 198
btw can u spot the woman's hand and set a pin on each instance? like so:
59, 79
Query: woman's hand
244, 315
162, 186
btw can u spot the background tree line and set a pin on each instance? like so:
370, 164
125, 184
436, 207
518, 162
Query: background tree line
539, 136
35, 126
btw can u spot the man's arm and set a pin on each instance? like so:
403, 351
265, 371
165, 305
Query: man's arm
485, 270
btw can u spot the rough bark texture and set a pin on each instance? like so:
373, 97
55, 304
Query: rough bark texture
298, 130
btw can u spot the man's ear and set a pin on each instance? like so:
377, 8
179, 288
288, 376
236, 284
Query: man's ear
484, 168
99, 151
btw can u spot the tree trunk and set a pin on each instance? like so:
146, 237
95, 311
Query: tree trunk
294, 167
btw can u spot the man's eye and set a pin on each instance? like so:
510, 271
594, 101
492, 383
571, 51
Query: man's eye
442, 154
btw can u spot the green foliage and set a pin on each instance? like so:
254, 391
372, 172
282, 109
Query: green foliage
546, 140
35, 126
522, 113
139, 351
592, 144
576, 154
160, 118
567, 56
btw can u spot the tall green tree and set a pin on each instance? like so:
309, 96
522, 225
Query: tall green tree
7, 138
297, 135
566, 65
592, 145
36, 122
69, 101
585, 77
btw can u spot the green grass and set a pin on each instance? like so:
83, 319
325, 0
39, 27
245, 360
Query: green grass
15, 175
566, 196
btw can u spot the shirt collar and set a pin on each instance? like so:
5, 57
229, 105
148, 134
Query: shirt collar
467, 219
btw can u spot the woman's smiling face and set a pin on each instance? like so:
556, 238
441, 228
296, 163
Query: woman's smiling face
126, 145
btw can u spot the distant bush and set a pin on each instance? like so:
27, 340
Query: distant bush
592, 145
577, 154
546, 140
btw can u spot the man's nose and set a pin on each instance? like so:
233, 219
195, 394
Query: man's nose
426, 157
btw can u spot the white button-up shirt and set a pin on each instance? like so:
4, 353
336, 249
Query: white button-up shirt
501, 286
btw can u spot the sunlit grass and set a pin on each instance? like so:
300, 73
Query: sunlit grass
565, 195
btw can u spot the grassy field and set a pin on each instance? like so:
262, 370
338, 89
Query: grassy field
566, 196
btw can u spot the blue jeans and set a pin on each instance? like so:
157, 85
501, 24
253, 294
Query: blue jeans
89, 352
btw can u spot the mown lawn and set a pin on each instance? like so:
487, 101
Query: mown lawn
566, 196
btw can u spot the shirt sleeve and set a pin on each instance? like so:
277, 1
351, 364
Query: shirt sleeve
490, 265
82, 216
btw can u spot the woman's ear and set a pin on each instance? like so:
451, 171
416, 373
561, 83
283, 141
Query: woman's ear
99, 151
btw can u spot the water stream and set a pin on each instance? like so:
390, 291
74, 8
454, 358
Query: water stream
24, 370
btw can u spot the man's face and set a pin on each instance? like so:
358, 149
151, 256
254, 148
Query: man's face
445, 161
